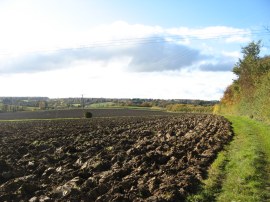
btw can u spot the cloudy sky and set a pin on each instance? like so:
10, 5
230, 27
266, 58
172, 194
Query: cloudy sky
126, 49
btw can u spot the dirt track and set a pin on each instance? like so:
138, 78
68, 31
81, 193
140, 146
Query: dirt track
115, 159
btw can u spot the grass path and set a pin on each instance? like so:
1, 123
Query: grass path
241, 173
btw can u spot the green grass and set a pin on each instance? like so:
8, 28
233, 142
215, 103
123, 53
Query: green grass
98, 106
246, 161
241, 171
101, 105
212, 185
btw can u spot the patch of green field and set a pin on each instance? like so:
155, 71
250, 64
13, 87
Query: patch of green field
112, 105
101, 105
241, 171
31, 108
144, 108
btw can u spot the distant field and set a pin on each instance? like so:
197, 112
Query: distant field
78, 113
103, 104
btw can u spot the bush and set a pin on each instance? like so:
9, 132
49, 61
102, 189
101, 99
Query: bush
88, 115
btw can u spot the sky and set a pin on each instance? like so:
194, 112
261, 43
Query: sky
173, 49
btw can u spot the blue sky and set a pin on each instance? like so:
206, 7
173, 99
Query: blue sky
192, 13
126, 49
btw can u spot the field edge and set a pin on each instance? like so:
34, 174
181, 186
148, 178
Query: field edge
241, 171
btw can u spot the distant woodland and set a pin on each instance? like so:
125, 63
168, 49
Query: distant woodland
14, 104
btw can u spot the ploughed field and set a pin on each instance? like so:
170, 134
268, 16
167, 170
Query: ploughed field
78, 113
154, 158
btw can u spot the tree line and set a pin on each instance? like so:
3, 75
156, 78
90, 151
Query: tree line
249, 94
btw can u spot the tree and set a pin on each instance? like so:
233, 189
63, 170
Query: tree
249, 69
249, 93
250, 57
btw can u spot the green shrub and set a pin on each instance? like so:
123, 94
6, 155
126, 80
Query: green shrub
88, 115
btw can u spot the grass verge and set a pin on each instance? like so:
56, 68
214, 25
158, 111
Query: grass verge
241, 171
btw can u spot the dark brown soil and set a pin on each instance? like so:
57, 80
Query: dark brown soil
78, 113
160, 158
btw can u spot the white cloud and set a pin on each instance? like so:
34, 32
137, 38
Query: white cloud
118, 60
101, 81
233, 54
238, 39
149, 48
28, 34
